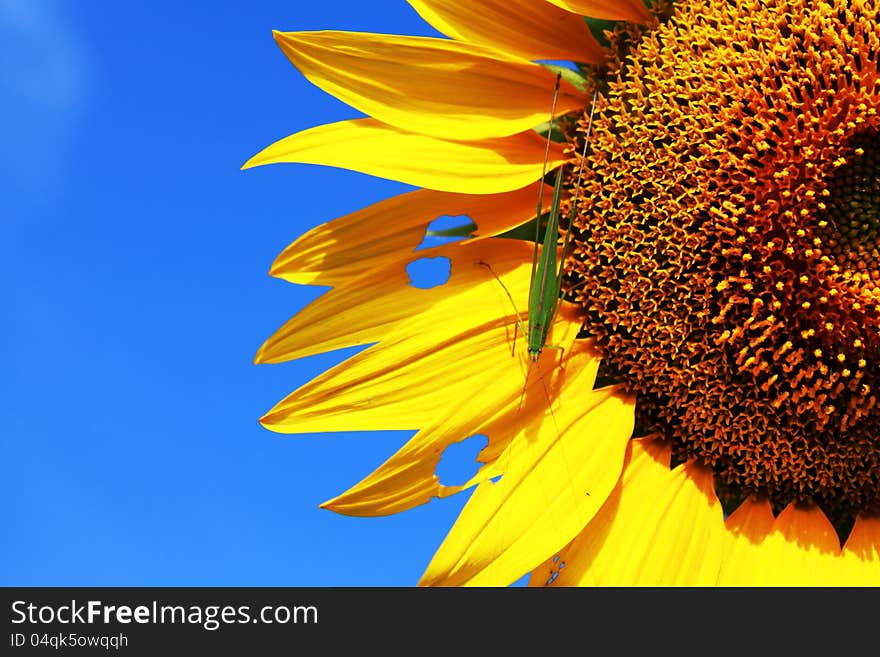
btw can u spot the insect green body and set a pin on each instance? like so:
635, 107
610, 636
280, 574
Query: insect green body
545, 287
546, 282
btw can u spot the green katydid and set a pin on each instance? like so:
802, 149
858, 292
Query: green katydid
545, 288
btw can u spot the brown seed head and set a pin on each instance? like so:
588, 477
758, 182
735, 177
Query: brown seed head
726, 249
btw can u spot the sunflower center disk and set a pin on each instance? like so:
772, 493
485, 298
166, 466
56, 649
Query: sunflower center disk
726, 250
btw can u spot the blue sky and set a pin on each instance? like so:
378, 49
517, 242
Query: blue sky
135, 255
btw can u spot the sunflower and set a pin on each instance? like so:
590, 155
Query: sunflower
710, 416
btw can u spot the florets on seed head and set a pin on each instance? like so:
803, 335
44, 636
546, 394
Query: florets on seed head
726, 250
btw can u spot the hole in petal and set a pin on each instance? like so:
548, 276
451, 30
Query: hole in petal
459, 461
426, 273
557, 63
446, 229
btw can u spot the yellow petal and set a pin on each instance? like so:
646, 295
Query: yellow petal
436, 87
639, 536
747, 528
614, 10
492, 402
350, 246
408, 478
528, 29
800, 548
443, 334
557, 474
383, 303
480, 167
390, 386
861, 554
